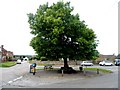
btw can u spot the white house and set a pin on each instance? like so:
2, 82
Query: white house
25, 59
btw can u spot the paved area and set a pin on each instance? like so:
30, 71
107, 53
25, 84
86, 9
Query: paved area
49, 77
103, 81
52, 79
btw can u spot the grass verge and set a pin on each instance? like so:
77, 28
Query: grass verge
47, 69
101, 70
7, 64
87, 69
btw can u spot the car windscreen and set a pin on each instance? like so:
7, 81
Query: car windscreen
107, 61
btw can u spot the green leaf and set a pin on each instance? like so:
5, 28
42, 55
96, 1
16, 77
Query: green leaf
58, 33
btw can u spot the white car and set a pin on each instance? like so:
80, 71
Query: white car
86, 63
19, 61
105, 63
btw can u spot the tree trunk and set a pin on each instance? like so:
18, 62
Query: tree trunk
66, 68
65, 63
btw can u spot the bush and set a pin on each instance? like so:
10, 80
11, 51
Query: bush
30, 59
43, 59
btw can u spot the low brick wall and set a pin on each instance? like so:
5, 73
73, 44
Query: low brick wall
58, 62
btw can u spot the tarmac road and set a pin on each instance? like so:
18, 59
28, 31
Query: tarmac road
8, 75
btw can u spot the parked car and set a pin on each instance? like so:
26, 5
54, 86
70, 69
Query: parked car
86, 63
117, 62
19, 61
105, 63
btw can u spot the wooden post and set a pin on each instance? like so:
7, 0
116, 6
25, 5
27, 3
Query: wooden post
97, 71
62, 73
84, 73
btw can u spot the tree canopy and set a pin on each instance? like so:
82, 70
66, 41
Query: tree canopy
60, 34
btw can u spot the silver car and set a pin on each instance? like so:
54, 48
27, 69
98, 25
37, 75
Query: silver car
19, 61
106, 63
86, 63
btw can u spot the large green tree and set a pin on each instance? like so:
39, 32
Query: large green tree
60, 34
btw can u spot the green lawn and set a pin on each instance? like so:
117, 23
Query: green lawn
87, 69
7, 64
101, 70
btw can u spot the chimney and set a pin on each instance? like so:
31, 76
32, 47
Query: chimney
2, 47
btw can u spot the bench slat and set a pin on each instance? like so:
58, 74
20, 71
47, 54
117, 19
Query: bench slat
48, 67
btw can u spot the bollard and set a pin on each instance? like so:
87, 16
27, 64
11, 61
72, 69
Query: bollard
31, 68
34, 70
84, 73
62, 73
97, 71
81, 69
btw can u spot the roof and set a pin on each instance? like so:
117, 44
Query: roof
107, 56
118, 57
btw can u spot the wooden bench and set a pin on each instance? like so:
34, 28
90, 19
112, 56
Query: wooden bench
48, 67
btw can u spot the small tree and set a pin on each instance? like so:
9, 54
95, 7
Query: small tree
60, 34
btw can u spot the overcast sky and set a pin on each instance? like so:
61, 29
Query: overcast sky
100, 15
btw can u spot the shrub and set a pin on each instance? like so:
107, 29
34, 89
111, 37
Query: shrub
43, 59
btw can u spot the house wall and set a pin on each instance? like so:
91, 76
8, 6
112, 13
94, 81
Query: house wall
10, 54
105, 57
5, 54
0, 56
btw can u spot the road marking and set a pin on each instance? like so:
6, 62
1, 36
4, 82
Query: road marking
20, 77
10, 82
15, 79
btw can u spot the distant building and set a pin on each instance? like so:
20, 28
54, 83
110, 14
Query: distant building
10, 54
118, 56
26, 59
105, 57
4, 54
